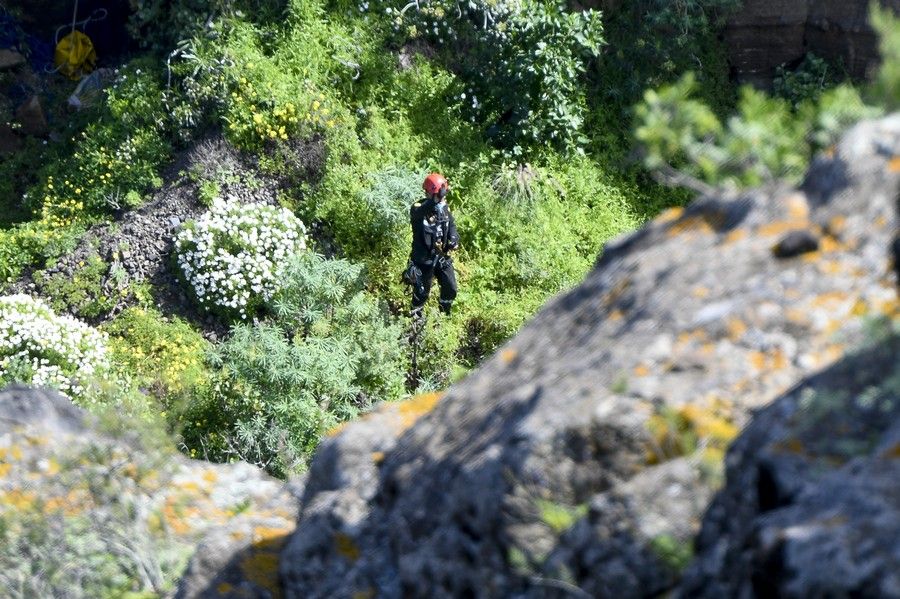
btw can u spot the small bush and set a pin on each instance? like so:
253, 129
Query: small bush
39, 348
165, 357
330, 353
231, 256
82, 293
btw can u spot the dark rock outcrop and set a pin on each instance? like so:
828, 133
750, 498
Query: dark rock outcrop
544, 473
812, 504
765, 34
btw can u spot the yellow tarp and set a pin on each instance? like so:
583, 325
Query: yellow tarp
75, 55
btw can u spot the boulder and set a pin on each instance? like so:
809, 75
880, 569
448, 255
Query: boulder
31, 116
10, 59
812, 503
105, 492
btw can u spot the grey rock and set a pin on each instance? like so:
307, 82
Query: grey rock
812, 505
31, 116
10, 59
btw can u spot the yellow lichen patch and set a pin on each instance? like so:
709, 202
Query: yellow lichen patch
669, 215
792, 293
346, 546
695, 224
210, 476
828, 244
797, 207
773, 359
830, 267
336, 429
791, 446
860, 308
700, 292
736, 328
4, 469
894, 164
830, 300
508, 355
735, 235
190, 486
709, 424
224, 588
238, 535
641, 370
757, 359
270, 536
881, 221
52, 467
615, 316
708, 348
15, 452
837, 224
173, 517
377, 457
413, 409
261, 568
780, 227
366, 594
18, 499
797, 316
892, 453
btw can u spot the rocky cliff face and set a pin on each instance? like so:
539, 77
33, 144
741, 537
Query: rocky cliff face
764, 34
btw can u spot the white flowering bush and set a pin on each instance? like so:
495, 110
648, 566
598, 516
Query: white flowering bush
232, 255
43, 349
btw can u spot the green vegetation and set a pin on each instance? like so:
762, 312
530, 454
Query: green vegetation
526, 107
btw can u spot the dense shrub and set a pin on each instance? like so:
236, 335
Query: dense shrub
521, 62
329, 353
231, 256
39, 348
164, 357
765, 140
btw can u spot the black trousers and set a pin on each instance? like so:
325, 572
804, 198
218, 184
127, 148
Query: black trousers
442, 269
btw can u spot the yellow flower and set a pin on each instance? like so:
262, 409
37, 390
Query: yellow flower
315, 105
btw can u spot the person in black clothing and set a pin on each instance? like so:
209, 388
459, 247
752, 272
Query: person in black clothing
434, 236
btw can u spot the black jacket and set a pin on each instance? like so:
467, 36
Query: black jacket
434, 230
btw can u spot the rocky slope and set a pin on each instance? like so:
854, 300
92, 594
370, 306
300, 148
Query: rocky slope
764, 34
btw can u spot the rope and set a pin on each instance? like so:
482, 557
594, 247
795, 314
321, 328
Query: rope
98, 15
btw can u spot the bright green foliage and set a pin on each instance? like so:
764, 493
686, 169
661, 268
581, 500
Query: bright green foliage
164, 357
521, 63
329, 353
886, 88
81, 294
764, 141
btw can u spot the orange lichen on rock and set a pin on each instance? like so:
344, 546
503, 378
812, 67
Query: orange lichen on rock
689, 224
780, 227
669, 215
413, 409
346, 546
735, 235
641, 370
508, 355
736, 328
894, 164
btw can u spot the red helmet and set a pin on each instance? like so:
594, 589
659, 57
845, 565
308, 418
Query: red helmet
434, 183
